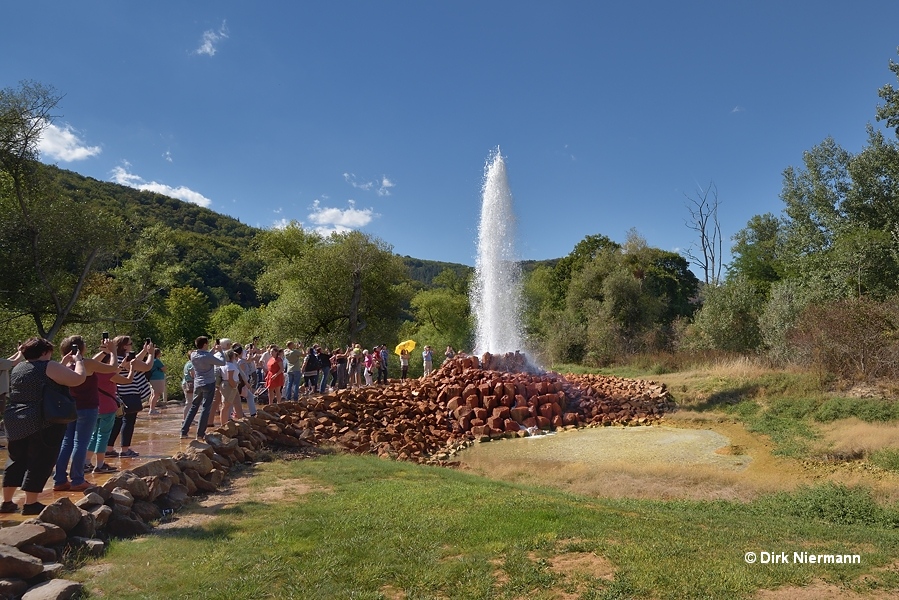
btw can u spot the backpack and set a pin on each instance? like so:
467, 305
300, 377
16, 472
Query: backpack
310, 363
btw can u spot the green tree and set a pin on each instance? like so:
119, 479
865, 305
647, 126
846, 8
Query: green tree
49, 243
729, 318
332, 290
443, 312
186, 316
889, 111
757, 251
222, 320
583, 253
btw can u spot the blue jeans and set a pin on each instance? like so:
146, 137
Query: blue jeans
74, 446
294, 378
203, 397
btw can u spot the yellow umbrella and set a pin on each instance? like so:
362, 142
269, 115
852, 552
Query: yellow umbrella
408, 346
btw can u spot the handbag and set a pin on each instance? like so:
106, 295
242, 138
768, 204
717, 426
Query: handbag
57, 407
132, 403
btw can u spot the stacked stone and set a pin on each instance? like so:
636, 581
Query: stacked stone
30, 552
608, 400
461, 402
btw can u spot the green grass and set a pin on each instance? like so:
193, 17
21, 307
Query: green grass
378, 526
886, 458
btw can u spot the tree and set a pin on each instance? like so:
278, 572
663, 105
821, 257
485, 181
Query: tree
729, 318
331, 290
584, 251
703, 220
757, 251
49, 243
186, 316
889, 112
443, 312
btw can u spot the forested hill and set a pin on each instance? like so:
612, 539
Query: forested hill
142, 209
216, 250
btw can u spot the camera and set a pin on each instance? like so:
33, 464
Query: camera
132, 355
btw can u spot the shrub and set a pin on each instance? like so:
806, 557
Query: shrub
728, 319
831, 503
857, 338
872, 410
886, 458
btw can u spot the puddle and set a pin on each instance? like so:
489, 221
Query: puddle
658, 445
155, 436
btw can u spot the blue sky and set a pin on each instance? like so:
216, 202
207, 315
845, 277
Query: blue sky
380, 115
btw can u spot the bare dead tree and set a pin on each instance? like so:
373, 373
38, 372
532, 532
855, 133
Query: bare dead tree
703, 220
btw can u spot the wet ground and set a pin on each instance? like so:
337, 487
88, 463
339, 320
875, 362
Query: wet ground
155, 436
641, 445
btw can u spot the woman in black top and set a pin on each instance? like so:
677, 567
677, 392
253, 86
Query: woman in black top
34, 444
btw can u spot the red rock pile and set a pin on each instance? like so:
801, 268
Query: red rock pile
424, 419
608, 400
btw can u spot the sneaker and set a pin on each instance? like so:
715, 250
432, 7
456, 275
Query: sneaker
61, 487
129, 453
112, 454
34, 508
80, 487
104, 468
9, 507
88, 467
184, 436
153, 412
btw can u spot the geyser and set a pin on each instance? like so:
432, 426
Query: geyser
496, 294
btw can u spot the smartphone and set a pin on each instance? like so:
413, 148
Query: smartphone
132, 355
218, 341
105, 335
147, 341
74, 348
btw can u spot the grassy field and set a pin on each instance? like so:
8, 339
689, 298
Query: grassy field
358, 527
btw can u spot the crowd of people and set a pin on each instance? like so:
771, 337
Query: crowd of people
219, 379
111, 386
108, 388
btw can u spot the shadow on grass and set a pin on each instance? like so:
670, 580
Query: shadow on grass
211, 531
726, 397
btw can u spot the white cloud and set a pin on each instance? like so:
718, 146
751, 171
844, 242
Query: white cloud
281, 224
737, 109
382, 187
210, 40
63, 143
386, 184
121, 176
167, 155
328, 220
351, 179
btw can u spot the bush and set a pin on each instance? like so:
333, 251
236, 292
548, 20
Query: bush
872, 410
728, 320
857, 338
831, 503
886, 458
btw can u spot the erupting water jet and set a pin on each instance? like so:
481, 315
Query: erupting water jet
496, 293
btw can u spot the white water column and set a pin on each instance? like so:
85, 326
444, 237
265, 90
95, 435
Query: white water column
496, 294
